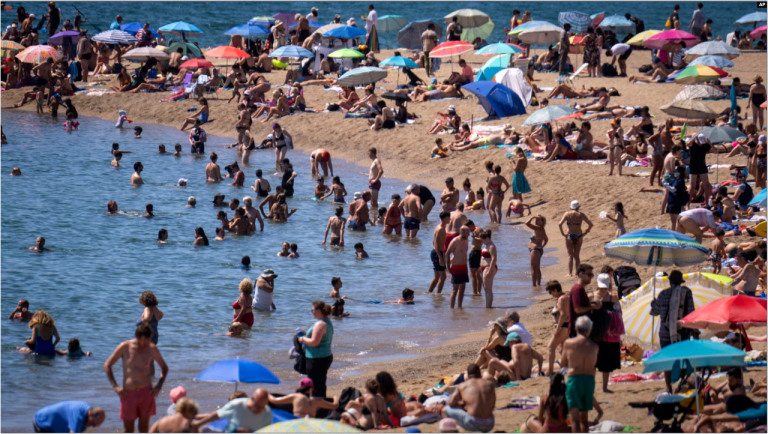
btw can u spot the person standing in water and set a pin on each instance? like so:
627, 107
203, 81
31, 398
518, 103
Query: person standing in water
536, 245
265, 289
336, 227
243, 310
456, 255
374, 178
489, 258
438, 253
212, 170
411, 207
45, 336
151, 314
475, 257
136, 177
261, 186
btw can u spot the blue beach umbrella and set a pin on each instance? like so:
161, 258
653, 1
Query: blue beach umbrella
247, 30
700, 353
579, 21
181, 28
759, 199
134, 28
399, 62
753, 18
498, 48
492, 66
548, 114
618, 24
291, 51
715, 61
345, 32
363, 75
237, 371
497, 99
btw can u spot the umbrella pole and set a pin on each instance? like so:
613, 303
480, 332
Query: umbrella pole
653, 318
696, 380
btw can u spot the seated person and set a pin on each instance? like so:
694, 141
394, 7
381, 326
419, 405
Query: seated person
521, 365
741, 413
386, 120
439, 151
496, 346
348, 97
450, 122
734, 385
462, 136
464, 77
299, 103
562, 149
304, 404
367, 103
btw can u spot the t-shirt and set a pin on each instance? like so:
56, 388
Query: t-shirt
240, 416
702, 216
373, 20
114, 26
428, 40
699, 18
758, 412
65, 416
619, 49
746, 195
520, 329
466, 71
578, 297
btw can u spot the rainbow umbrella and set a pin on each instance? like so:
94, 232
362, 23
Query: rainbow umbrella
346, 53
372, 41
689, 109
308, 424
38, 54
758, 32
658, 41
640, 38
10, 46
659, 247
699, 74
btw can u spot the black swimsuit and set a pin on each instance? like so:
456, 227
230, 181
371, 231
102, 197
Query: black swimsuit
261, 192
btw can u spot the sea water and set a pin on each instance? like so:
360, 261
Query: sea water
100, 265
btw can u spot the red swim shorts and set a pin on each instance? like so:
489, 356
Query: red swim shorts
138, 404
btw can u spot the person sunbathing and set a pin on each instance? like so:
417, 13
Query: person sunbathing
304, 404
568, 92
441, 91
659, 75
367, 103
562, 150
621, 112
462, 136
450, 122
504, 137
265, 108
603, 99
348, 97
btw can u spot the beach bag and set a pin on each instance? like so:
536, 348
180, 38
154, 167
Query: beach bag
626, 277
609, 70
301, 361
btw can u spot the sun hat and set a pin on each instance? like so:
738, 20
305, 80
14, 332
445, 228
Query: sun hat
451, 108
278, 23
603, 280
306, 382
575, 204
501, 322
514, 336
448, 425
177, 393
268, 273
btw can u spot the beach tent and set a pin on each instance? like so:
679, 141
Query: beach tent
496, 99
190, 50
410, 36
514, 79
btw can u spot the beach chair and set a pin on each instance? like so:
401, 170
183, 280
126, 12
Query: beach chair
186, 82
569, 79
198, 87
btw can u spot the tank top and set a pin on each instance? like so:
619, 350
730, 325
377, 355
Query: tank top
263, 300
324, 348
152, 323
44, 346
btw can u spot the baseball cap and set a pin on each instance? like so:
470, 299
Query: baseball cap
177, 393
514, 336
604, 280
306, 382
434, 80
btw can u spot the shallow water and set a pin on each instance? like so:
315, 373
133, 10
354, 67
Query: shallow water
100, 265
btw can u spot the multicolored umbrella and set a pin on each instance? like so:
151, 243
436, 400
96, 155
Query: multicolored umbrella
346, 53
7, 47
754, 17
115, 37
247, 30
195, 64
699, 74
451, 48
640, 326
262, 21
758, 32
363, 75
725, 313
661, 247
468, 17
579, 21
618, 24
689, 109
659, 40
548, 114
181, 28
38, 54
499, 48
712, 48
713, 61
306, 425
544, 34
470, 34
640, 38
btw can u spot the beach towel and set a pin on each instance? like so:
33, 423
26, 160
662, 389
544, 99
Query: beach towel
413, 420
632, 378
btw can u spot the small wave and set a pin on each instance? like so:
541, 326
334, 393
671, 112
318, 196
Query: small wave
406, 344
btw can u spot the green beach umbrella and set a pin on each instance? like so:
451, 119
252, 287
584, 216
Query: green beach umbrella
346, 53
469, 34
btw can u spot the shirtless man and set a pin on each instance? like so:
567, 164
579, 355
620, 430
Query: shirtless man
241, 224
458, 219
270, 200
580, 357
137, 396
136, 177
520, 366
21, 312
472, 404
336, 228
411, 210
44, 73
361, 214
438, 253
212, 170
39, 246
304, 404
450, 196
253, 213
603, 99
475, 256
323, 158
175, 61
374, 178
456, 254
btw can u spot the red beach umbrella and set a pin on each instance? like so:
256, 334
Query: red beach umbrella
195, 64
226, 52
726, 313
451, 48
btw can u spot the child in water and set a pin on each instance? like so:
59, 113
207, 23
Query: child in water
71, 124
137, 132
74, 350
294, 251
118, 157
338, 306
360, 252
177, 148
320, 189
337, 190
161, 149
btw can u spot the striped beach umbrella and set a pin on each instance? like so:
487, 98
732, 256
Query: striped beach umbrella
363, 75
579, 21
639, 39
699, 74
262, 21
659, 40
346, 53
38, 54
660, 247
115, 37
689, 109
713, 61
640, 327
291, 51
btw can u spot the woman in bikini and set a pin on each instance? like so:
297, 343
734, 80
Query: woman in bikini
488, 267
616, 142
536, 244
575, 237
279, 212
279, 142
562, 318
386, 120
471, 198
348, 97
281, 108
395, 401
462, 136
645, 127
553, 413
568, 92
494, 348
585, 144
243, 312
496, 189
367, 103
372, 407
621, 112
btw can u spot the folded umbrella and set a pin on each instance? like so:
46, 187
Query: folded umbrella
689, 109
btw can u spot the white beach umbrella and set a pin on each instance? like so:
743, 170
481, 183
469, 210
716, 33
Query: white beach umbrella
144, 53
544, 34
115, 37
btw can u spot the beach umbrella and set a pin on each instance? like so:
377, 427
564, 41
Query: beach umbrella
181, 28
58, 38
712, 48
660, 247
226, 52
391, 23
497, 100
499, 48
525, 26
287, 18
195, 64
362, 75
492, 66
144, 53
689, 109
7, 47
753, 18
544, 34
579, 21
346, 53
307, 425
345, 32
597, 18
451, 48
291, 51
618, 24
188, 49
115, 37
469, 34
38, 54
134, 28
758, 32
640, 38
759, 198
726, 313
661, 39
576, 47
399, 62
328, 27
699, 74
641, 328
409, 37
548, 114
714, 61
237, 371
262, 21
724, 134
396, 96
701, 353
468, 17
247, 30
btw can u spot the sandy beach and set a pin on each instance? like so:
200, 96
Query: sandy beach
405, 154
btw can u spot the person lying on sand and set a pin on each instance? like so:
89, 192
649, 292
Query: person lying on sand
621, 112
603, 99
567, 91
507, 136
304, 404
441, 91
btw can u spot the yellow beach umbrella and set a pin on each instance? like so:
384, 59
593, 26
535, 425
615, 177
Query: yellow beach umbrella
639, 38
636, 307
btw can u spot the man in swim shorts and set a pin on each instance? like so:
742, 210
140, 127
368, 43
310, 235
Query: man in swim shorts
361, 216
458, 219
411, 207
137, 396
438, 253
336, 228
580, 357
323, 158
450, 196
456, 254
472, 404
374, 178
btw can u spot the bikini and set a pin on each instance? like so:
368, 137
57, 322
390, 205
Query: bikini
537, 248
575, 237
246, 318
484, 254
497, 187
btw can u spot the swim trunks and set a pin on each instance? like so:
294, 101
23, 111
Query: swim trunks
137, 404
354, 225
411, 223
459, 274
474, 259
469, 422
449, 236
335, 241
579, 391
375, 186
436, 260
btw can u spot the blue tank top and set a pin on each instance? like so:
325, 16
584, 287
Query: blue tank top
44, 346
324, 348
152, 323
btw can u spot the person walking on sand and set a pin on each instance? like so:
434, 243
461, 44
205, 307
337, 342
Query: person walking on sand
489, 258
579, 303
336, 227
562, 322
536, 244
456, 255
412, 213
438, 253
472, 404
374, 178
137, 395
580, 357
574, 238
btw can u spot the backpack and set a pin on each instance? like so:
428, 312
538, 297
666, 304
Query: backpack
645, 68
609, 70
626, 277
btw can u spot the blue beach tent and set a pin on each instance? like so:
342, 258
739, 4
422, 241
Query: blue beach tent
496, 99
